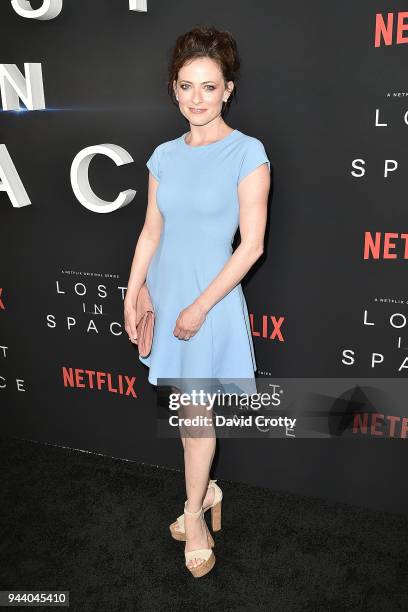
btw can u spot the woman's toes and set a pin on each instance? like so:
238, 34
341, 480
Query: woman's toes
194, 562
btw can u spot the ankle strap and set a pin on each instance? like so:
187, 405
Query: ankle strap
199, 511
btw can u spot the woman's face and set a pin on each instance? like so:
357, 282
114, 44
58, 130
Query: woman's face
200, 85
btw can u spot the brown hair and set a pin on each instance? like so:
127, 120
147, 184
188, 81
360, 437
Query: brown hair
203, 41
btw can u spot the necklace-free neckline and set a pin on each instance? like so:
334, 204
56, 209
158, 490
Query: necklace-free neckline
210, 144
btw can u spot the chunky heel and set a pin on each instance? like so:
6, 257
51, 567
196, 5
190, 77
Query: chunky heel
216, 517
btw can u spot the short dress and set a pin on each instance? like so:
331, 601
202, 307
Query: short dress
198, 199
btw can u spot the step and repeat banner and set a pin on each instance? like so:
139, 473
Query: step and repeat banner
84, 104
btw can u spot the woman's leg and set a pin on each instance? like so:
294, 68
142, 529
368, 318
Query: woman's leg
199, 449
209, 495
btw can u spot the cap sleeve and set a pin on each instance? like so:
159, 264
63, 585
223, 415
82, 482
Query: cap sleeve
254, 156
153, 163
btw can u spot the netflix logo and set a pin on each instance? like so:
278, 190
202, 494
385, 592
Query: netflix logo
267, 326
77, 378
384, 244
391, 29
375, 424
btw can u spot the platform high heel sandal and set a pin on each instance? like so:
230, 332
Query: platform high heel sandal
201, 553
177, 528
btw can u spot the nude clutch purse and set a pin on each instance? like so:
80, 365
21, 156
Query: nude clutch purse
144, 321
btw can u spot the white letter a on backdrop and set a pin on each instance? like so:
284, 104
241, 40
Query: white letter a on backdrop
10, 181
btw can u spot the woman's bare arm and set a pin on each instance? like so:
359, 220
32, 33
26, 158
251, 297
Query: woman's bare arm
146, 245
145, 249
253, 193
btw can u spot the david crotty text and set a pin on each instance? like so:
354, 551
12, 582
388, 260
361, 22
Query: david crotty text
235, 421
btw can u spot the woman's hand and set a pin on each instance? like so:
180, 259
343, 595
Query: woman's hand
189, 322
130, 321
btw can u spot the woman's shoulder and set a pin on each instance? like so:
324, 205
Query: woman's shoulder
248, 140
251, 146
167, 145
161, 153
253, 154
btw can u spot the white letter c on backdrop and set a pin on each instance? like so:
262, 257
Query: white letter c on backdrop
80, 179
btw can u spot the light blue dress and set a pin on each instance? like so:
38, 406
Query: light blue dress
198, 199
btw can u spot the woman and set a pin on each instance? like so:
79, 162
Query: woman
202, 185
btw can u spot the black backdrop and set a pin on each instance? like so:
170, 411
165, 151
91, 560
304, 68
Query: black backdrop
311, 81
